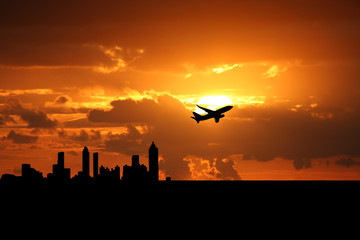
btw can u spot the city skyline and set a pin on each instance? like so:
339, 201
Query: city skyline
135, 173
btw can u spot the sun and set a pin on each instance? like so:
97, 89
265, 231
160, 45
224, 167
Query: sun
212, 102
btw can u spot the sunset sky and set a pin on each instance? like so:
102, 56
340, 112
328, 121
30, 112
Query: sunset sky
116, 75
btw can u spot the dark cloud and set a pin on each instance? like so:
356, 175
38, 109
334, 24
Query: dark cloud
130, 143
39, 34
118, 113
82, 136
169, 111
34, 117
302, 163
347, 162
166, 119
85, 123
61, 100
140, 11
20, 138
261, 132
5, 118
63, 104
226, 170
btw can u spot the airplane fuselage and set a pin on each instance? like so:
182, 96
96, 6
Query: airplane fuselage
217, 114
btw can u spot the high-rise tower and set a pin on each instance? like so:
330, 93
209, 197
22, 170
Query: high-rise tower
96, 164
61, 157
153, 163
86, 162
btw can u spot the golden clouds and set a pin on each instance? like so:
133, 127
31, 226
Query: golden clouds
225, 67
14, 92
274, 71
120, 58
214, 169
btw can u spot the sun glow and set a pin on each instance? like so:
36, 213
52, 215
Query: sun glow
213, 103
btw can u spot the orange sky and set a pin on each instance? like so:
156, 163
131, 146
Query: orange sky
116, 75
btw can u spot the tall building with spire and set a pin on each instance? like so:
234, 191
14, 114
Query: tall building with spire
85, 162
153, 163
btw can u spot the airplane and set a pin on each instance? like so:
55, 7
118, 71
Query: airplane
216, 114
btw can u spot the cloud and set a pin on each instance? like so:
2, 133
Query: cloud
130, 143
347, 162
214, 169
129, 110
61, 100
302, 163
82, 136
64, 104
52, 39
262, 132
34, 117
201, 169
300, 135
20, 138
274, 71
121, 58
15, 92
59, 55
163, 117
225, 68
5, 118
226, 170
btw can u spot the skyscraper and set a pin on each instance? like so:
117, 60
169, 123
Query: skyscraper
58, 169
61, 157
85, 162
96, 164
60, 174
153, 163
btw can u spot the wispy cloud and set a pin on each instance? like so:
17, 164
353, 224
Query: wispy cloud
274, 71
120, 58
225, 68
13, 92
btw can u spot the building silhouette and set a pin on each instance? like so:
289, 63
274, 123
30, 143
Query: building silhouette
153, 163
85, 162
95, 165
139, 173
108, 176
30, 175
60, 174
135, 173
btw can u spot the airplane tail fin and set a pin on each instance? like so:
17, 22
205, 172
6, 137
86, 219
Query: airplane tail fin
197, 117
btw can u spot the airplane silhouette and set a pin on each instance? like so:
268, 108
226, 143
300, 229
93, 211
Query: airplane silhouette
216, 114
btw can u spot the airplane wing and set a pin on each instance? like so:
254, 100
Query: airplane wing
224, 109
205, 109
